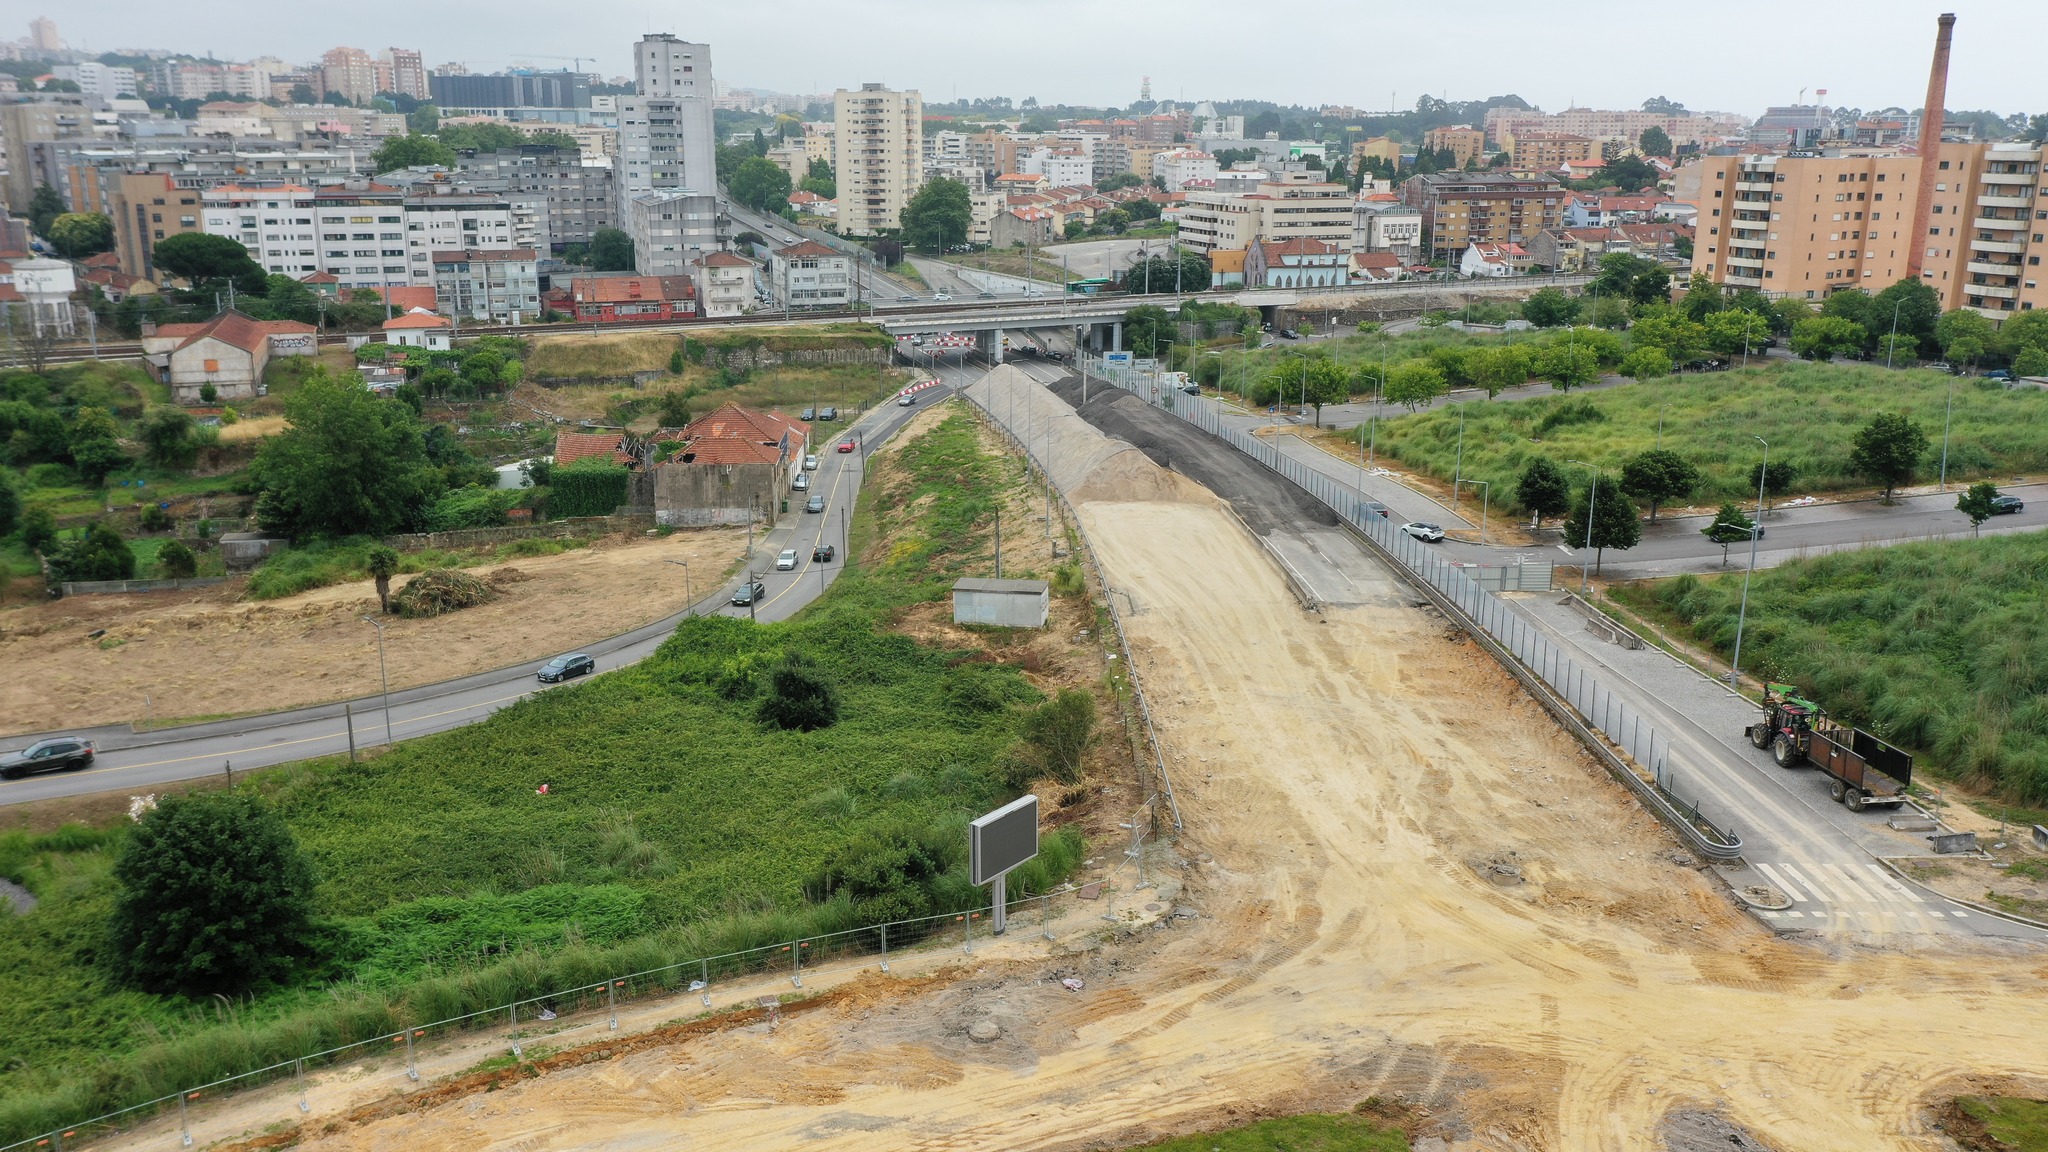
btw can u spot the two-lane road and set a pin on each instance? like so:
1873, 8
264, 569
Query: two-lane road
140, 762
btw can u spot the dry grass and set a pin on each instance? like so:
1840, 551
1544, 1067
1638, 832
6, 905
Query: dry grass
251, 429
611, 354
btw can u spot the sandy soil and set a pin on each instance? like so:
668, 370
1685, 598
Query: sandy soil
1360, 787
205, 653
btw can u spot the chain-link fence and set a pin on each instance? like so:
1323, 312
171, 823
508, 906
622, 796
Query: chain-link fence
691, 983
1624, 726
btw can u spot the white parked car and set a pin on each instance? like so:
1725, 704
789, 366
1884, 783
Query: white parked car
1427, 533
786, 562
811, 462
940, 296
802, 483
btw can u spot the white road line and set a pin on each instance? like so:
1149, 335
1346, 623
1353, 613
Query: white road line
1561, 548
1807, 884
1891, 882
1780, 881
1848, 882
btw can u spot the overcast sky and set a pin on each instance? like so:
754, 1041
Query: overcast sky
1731, 55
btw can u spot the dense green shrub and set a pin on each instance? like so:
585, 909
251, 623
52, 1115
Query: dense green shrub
472, 508
799, 699
98, 553
177, 560
587, 488
1056, 733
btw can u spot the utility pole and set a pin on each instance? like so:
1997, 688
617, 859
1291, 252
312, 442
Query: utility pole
1756, 530
1592, 507
382, 675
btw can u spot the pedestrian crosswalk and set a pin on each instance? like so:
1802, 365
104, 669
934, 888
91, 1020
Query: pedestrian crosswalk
1826, 891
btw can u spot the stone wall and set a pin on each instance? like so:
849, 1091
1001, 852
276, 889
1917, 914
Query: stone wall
707, 495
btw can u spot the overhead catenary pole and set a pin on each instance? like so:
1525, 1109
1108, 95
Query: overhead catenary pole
1756, 530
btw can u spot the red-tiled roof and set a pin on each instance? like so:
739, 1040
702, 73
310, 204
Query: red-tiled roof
319, 278
235, 329
1300, 246
624, 289
724, 260
408, 298
574, 446
1375, 260
417, 320
805, 248
730, 450
102, 260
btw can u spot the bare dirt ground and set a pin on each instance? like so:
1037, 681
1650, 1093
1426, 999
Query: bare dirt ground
1361, 788
204, 652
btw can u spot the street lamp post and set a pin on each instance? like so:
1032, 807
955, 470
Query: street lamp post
689, 598
1485, 504
1946, 419
1894, 341
382, 675
1458, 470
1742, 616
1592, 508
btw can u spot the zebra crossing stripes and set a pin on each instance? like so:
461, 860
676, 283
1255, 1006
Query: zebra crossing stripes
1827, 891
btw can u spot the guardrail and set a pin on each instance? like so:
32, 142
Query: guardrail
1605, 723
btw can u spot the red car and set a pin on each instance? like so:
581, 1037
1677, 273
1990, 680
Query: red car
846, 445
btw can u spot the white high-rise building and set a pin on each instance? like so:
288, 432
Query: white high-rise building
877, 156
666, 138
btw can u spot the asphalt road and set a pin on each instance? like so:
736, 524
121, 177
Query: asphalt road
140, 762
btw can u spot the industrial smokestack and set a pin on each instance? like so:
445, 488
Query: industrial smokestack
1932, 115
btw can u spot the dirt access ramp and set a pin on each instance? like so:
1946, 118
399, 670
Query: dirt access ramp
1411, 884
206, 653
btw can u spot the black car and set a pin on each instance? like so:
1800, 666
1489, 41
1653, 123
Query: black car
2002, 504
809, 414
59, 753
1375, 508
566, 668
746, 594
828, 413
823, 553
815, 504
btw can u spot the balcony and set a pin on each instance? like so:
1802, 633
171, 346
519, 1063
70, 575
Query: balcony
1995, 291
2021, 202
1735, 261
2013, 247
1999, 223
1754, 185
2009, 177
1742, 279
1991, 268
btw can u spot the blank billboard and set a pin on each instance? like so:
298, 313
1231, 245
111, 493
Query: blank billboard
1003, 839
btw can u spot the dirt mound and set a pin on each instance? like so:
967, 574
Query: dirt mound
439, 591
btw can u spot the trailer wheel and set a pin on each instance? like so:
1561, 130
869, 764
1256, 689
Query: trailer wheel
1785, 752
1838, 791
1856, 799
1759, 735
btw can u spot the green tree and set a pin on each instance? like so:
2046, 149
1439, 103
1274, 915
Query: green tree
39, 530
799, 697
1975, 502
1854, 305
1498, 368
95, 444
1685, 341
760, 185
1963, 325
938, 215
166, 432
1414, 383
1186, 271
1646, 364
1057, 733
2022, 331
1567, 364
177, 561
1148, 330
1774, 480
10, 503
1787, 313
1888, 450
1916, 306
1826, 337
77, 235
1657, 476
675, 407
1550, 308
1324, 381
214, 896
1733, 332
1729, 526
346, 464
201, 258
611, 250
98, 553
1702, 298
1543, 490
286, 298
2031, 361
43, 209
424, 120
819, 181
411, 151
1655, 142
1629, 173
382, 561
1613, 517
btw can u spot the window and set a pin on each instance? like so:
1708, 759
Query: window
212, 365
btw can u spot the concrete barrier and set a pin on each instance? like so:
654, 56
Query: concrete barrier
104, 587
1602, 625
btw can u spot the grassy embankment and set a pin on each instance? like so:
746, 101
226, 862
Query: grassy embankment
1938, 646
1012, 263
675, 826
2001, 1124
1809, 412
1310, 1133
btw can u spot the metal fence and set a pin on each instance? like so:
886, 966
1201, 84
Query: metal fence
536, 1018
1628, 730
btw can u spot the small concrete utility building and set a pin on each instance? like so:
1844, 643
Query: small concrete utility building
1010, 603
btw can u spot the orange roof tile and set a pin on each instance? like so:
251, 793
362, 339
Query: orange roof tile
573, 446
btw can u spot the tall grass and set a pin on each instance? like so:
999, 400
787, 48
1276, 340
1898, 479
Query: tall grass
675, 827
1938, 646
1808, 412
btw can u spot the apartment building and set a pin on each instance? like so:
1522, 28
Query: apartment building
1619, 125
1293, 206
1183, 167
1550, 151
148, 208
580, 190
1986, 225
406, 71
876, 156
672, 229
31, 119
725, 283
810, 275
1380, 222
101, 81
197, 80
446, 217
350, 72
1459, 208
1061, 167
356, 234
666, 139
500, 285
1465, 143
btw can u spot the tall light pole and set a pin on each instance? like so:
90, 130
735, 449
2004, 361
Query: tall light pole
689, 599
1458, 471
1894, 341
382, 674
1486, 504
1947, 418
1742, 616
1592, 507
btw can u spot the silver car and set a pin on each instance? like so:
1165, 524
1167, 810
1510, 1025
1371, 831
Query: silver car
786, 561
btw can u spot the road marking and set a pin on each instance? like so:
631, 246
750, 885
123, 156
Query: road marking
1807, 884
1563, 549
341, 735
1887, 880
1780, 881
1848, 882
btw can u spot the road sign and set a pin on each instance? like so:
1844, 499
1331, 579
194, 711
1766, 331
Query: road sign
1000, 841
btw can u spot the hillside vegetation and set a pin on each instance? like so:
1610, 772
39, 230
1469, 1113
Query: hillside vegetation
1808, 412
1939, 646
675, 824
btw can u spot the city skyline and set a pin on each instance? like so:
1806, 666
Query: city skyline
1877, 61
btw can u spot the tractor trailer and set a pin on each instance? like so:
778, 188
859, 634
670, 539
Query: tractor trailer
1862, 769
